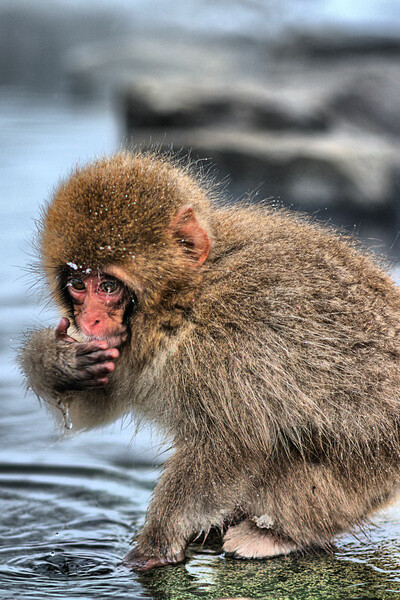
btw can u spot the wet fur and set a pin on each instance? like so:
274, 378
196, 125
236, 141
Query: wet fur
274, 367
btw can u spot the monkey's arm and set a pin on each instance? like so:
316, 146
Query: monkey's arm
72, 373
189, 499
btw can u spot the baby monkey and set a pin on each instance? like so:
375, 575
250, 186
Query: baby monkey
266, 347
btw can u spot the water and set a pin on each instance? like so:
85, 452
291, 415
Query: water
70, 506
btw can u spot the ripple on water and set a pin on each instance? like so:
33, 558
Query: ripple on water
66, 571
59, 563
64, 525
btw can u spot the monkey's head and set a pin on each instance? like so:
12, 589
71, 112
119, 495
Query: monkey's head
121, 234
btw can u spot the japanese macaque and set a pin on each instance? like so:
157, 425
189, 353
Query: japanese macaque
266, 347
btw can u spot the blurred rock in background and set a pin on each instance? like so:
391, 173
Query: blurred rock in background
295, 102
316, 125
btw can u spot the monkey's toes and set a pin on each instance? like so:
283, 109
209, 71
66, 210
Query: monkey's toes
246, 540
142, 562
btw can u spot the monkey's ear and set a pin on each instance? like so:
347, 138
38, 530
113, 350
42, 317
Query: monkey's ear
190, 235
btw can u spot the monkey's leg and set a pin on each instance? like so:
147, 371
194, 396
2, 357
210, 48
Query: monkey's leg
246, 540
188, 499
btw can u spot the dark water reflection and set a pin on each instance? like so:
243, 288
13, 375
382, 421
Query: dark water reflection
65, 528
70, 506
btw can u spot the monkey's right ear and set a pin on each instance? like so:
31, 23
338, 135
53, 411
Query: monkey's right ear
190, 235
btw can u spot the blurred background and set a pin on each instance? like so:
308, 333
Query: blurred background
296, 101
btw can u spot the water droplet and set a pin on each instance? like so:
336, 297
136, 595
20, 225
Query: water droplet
65, 413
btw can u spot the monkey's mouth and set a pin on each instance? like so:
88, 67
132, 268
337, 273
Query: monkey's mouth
113, 341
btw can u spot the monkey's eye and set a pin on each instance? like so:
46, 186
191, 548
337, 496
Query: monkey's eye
76, 283
109, 286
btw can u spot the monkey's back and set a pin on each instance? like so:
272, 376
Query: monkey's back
300, 358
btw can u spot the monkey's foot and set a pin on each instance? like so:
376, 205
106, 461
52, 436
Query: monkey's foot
246, 540
141, 562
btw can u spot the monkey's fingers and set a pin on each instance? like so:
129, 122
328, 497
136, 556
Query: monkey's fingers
96, 357
97, 383
93, 376
145, 563
102, 368
99, 371
61, 331
83, 348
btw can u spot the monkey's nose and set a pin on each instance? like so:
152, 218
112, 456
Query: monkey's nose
91, 323
95, 324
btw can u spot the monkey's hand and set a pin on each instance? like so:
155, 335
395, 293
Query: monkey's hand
58, 368
55, 363
138, 561
81, 365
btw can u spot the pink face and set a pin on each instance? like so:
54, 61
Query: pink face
99, 303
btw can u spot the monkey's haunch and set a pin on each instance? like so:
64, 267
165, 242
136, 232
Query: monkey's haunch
267, 347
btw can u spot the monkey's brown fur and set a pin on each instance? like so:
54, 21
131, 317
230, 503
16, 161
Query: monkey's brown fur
274, 366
